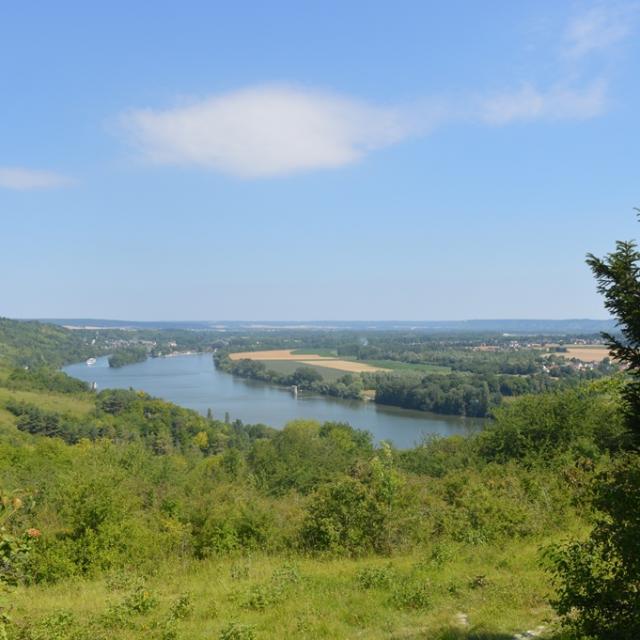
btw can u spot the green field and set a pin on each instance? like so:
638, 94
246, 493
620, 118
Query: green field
289, 366
406, 366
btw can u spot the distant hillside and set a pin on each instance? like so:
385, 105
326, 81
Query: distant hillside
527, 326
32, 343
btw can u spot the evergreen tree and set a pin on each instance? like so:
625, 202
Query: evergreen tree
618, 277
599, 579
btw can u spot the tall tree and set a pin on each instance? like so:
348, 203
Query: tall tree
618, 277
599, 579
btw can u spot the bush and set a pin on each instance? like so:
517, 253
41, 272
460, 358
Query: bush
236, 631
597, 579
375, 577
411, 594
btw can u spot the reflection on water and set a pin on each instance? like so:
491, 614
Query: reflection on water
192, 381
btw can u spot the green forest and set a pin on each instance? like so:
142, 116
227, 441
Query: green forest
123, 516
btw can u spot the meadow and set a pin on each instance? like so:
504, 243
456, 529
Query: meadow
444, 592
288, 367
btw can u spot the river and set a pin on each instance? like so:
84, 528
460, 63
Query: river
192, 381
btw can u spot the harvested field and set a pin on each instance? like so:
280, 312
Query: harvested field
343, 365
276, 354
587, 353
309, 359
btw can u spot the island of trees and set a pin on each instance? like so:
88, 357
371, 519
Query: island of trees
130, 355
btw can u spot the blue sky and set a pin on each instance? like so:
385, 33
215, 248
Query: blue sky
314, 160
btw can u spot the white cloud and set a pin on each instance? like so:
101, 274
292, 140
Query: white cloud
25, 179
278, 130
558, 103
598, 28
269, 130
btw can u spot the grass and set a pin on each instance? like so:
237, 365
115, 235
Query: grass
63, 403
59, 402
328, 599
289, 366
406, 366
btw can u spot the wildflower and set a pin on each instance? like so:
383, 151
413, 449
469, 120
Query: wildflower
34, 533
17, 503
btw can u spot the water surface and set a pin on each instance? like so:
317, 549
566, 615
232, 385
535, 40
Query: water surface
193, 382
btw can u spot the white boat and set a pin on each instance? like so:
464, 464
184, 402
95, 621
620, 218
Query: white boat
91, 361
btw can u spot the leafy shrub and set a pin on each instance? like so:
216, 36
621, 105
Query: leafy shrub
139, 601
538, 428
181, 607
60, 625
411, 594
15, 548
441, 554
597, 579
375, 577
263, 596
286, 574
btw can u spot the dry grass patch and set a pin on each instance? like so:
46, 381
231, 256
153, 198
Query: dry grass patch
275, 354
587, 353
344, 365
309, 359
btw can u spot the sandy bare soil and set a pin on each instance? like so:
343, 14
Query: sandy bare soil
309, 359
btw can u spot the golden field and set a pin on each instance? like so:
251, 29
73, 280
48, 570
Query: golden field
306, 359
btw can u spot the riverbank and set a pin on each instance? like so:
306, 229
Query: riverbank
192, 381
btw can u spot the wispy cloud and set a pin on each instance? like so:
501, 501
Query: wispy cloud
598, 28
269, 130
557, 103
25, 179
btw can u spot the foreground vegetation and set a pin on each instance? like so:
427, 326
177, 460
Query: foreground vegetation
142, 519
451, 591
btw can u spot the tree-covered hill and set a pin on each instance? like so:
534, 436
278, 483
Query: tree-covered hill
31, 343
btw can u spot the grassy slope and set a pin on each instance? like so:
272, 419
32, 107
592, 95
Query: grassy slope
62, 403
77, 405
329, 601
